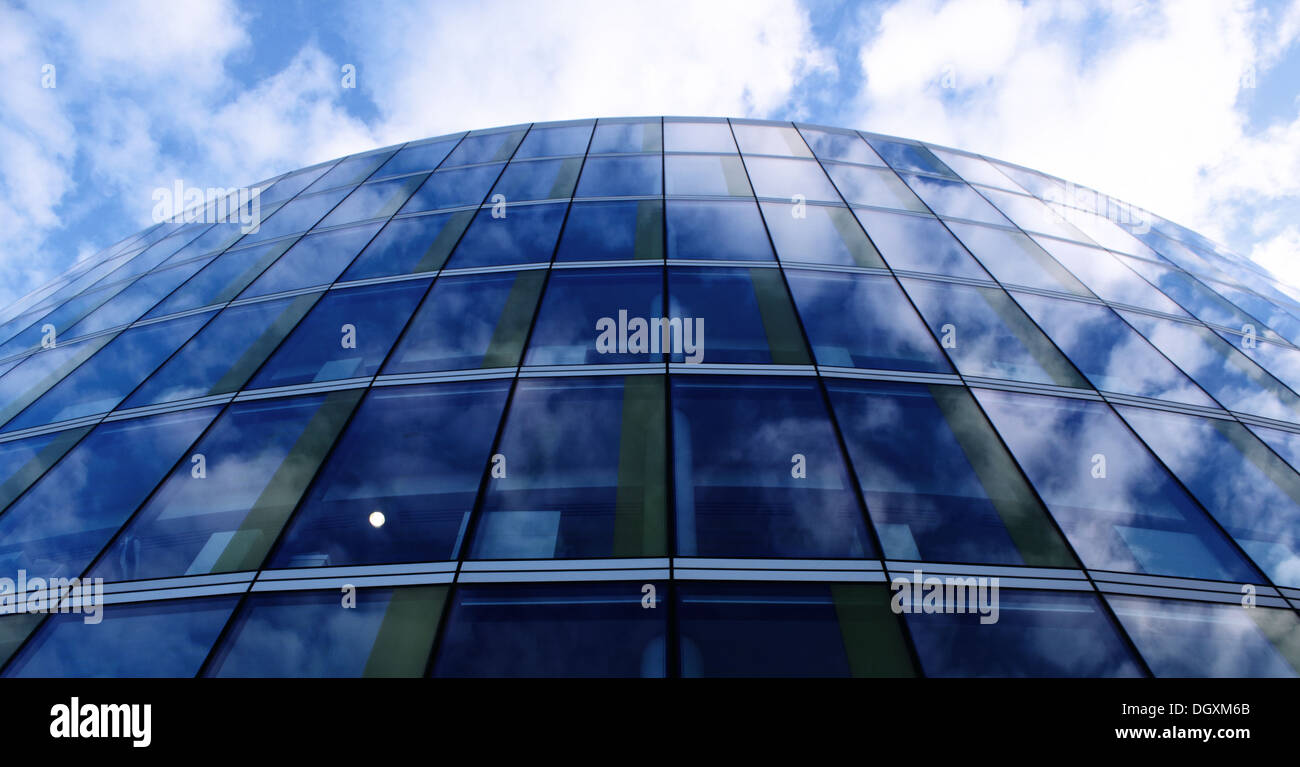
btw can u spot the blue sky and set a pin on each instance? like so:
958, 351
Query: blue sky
1186, 108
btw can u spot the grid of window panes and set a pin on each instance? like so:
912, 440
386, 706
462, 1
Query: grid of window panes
654, 396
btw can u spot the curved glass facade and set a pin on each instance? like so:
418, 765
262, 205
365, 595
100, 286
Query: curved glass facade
655, 397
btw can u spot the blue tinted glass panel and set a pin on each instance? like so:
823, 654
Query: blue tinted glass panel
736, 448
910, 157
818, 234
410, 245
621, 176
627, 137
63, 521
789, 630
863, 321
298, 215
1014, 259
127, 306
151, 639
1120, 509
292, 184
953, 199
525, 234
586, 472
416, 455
416, 157
222, 513
570, 630
599, 318
317, 259
716, 231
788, 178
1196, 639
1035, 634
377, 200
484, 147
918, 244
99, 384
555, 141
349, 171
1193, 296
746, 313
1033, 215
386, 633
222, 279
965, 502
599, 231
712, 175
770, 139
878, 187
32, 377
841, 146
698, 137
347, 334
453, 189
1108, 278
538, 180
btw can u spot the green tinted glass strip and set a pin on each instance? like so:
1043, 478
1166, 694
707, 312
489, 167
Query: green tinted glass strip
14, 630
512, 329
640, 511
39, 464
257, 352
1282, 628
21, 402
734, 173
405, 637
649, 230
509, 146
452, 228
1056, 366
652, 137
779, 323
399, 196
1273, 467
251, 543
873, 639
246, 278
1067, 281
566, 179
864, 253
1025, 518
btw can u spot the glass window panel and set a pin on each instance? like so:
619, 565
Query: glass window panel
758, 472
717, 231
627, 137
469, 322
148, 639
23, 461
698, 137
1108, 278
1014, 259
1113, 356
919, 244
538, 180
554, 630
787, 177
910, 157
1035, 183
485, 147
222, 279
1202, 302
62, 522
1268, 312
975, 170
1198, 639
61, 319
953, 199
770, 139
215, 239
34, 376
863, 321
1119, 508
257, 460
715, 175
317, 259
225, 353
292, 184
297, 215
841, 146
386, 633
457, 188
819, 234
127, 306
1229, 376
1284, 443
347, 334
350, 170
555, 141
417, 157
621, 176
599, 318
599, 231
965, 502
1037, 634
747, 313
416, 455
789, 630
878, 187
98, 385
1253, 493
378, 200
523, 234
1104, 231
410, 245
986, 334
1033, 216
576, 487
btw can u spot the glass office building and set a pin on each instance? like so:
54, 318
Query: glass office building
655, 397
